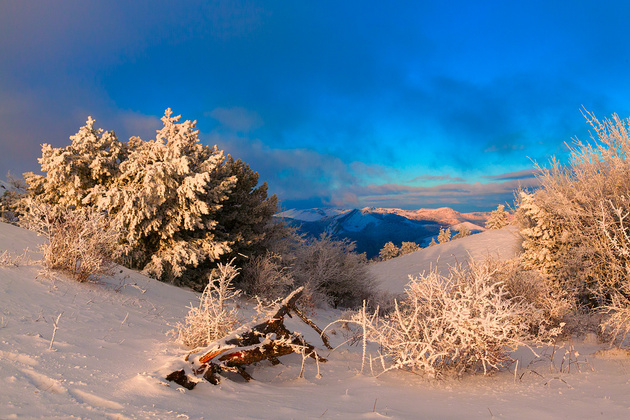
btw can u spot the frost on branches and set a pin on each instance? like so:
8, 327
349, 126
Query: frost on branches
466, 322
498, 218
178, 205
165, 199
212, 319
540, 235
74, 171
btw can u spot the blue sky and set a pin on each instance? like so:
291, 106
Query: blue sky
349, 104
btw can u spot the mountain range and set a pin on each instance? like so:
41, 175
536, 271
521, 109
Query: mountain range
372, 227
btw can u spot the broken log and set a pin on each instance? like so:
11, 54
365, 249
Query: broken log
251, 343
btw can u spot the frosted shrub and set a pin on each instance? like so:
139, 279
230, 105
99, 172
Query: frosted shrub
266, 276
576, 226
213, 318
408, 248
463, 232
81, 244
332, 272
498, 218
389, 251
552, 303
466, 322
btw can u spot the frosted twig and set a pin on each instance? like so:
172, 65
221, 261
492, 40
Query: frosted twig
56, 327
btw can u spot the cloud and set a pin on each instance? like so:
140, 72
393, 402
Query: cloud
436, 178
237, 118
515, 176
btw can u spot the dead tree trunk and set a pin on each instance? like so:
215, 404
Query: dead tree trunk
251, 343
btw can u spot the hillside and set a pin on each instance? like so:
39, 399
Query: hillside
393, 274
112, 349
372, 227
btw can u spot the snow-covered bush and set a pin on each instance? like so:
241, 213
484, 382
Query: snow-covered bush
575, 226
408, 248
498, 218
266, 276
389, 251
463, 232
332, 272
11, 199
466, 322
553, 303
81, 244
215, 316
444, 235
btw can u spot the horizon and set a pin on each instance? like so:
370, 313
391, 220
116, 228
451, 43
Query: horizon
359, 104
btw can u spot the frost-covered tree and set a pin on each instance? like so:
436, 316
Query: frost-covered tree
389, 251
178, 204
498, 218
408, 248
540, 235
444, 235
72, 172
433, 243
463, 232
165, 200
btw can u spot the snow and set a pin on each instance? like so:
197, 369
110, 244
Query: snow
111, 351
393, 274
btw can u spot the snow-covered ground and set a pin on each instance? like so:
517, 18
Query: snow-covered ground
111, 351
393, 275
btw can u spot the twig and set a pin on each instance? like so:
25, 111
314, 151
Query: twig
56, 326
311, 324
374, 408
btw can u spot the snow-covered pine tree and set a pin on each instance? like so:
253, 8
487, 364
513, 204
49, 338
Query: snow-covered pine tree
463, 232
444, 235
498, 218
540, 235
408, 248
389, 251
433, 243
165, 200
73, 172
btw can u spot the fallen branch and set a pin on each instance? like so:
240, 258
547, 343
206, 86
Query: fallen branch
250, 343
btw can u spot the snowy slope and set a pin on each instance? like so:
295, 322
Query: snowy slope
111, 351
393, 274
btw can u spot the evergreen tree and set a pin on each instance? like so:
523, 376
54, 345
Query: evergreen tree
408, 248
541, 236
433, 243
91, 161
444, 235
463, 232
165, 200
498, 218
244, 220
389, 251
